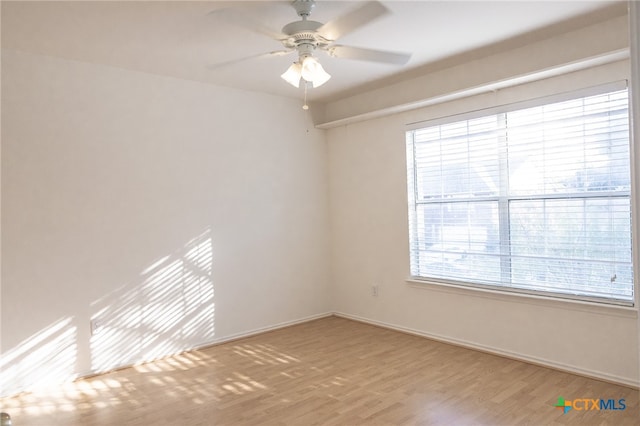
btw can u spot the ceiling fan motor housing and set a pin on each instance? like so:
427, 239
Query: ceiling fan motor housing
303, 36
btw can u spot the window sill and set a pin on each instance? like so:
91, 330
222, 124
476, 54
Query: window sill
530, 299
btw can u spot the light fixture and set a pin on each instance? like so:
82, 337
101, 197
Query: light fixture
312, 71
293, 74
309, 69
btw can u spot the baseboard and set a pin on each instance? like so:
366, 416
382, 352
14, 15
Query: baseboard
458, 342
261, 330
592, 374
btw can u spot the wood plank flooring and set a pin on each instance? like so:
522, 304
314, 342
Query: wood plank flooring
331, 371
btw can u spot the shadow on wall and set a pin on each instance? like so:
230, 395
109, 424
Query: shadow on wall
168, 310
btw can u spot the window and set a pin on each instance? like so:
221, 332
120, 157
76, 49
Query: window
533, 200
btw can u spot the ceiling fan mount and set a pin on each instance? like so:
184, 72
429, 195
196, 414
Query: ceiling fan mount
303, 7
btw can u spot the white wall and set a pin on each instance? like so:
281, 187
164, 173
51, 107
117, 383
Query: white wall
174, 212
368, 204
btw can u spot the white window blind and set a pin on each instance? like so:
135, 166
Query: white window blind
534, 200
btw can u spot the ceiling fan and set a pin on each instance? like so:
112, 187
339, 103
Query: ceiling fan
306, 36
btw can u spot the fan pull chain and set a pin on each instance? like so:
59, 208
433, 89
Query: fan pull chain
305, 106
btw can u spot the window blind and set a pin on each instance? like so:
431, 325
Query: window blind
534, 199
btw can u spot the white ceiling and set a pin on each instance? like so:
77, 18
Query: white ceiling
185, 40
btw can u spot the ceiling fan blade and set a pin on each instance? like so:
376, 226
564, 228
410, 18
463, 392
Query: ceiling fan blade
242, 20
353, 20
248, 58
361, 54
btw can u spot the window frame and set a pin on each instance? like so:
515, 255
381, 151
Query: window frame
500, 198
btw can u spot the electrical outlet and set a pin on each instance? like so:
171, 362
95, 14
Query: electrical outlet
95, 325
374, 290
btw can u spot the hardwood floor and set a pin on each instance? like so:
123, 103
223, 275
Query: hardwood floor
331, 371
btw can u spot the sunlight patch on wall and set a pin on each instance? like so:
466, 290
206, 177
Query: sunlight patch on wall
48, 357
169, 310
